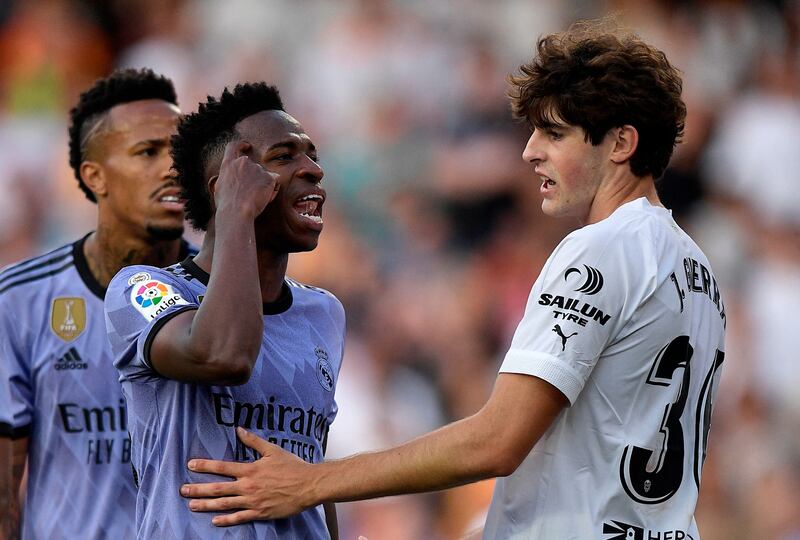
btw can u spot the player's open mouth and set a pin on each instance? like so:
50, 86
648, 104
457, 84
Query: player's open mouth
546, 182
170, 199
310, 207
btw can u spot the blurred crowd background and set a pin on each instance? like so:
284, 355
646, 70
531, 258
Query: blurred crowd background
433, 229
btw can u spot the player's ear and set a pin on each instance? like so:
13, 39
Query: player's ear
212, 186
626, 140
94, 177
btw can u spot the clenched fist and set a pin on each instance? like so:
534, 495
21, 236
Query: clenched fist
243, 185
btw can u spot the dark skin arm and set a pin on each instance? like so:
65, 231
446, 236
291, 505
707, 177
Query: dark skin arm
219, 342
13, 454
491, 443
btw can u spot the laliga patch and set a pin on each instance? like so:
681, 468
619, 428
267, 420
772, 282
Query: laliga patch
138, 278
152, 298
68, 317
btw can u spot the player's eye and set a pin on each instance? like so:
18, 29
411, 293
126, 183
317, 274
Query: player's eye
554, 135
148, 151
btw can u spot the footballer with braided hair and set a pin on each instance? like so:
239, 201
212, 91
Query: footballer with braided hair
61, 405
225, 340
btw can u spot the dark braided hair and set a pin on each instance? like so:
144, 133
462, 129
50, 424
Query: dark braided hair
202, 136
122, 86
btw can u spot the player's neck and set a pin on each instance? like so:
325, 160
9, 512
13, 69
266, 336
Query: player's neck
620, 189
107, 252
271, 272
271, 266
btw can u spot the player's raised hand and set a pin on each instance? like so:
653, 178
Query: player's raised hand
243, 184
269, 488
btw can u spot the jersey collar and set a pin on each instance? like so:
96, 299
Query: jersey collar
282, 304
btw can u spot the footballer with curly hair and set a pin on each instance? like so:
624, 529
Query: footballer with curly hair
61, 406
225, 339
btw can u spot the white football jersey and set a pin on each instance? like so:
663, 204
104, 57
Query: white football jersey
626, 320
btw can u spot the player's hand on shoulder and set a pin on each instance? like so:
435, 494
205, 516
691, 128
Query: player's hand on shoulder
243, 184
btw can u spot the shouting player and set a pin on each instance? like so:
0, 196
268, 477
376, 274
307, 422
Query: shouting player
225, 339
598, 420
61, 405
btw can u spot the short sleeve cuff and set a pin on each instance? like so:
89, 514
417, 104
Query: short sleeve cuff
14, 433
546, 367
151, 332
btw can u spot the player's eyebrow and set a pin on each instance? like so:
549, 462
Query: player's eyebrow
548, 126
155, 142
293, 144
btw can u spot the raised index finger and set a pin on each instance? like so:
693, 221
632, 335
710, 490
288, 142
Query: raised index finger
235, 149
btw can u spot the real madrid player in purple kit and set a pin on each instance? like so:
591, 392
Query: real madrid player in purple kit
61, 405
226, 339
599, 418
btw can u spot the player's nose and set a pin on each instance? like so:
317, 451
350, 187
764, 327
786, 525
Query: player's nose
533, 149
311, 170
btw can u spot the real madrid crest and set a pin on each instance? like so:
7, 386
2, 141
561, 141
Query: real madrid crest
68, 317
324, 369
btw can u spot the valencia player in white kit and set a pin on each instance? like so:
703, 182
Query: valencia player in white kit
599, 418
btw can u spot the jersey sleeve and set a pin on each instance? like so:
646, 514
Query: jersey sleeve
16, 379
588, 288
139, 301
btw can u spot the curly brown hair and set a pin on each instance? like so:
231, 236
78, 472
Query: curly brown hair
598, 78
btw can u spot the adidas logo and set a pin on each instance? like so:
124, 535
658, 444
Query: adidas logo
71, 360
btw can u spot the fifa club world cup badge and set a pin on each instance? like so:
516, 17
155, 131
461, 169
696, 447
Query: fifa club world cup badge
68, 317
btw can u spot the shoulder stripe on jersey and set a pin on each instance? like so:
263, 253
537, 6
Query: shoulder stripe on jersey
34, 264
37, 277
299, 285
7, 430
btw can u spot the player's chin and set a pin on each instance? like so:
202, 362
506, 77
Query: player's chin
304, 234
308, 242
165, 230
552, 208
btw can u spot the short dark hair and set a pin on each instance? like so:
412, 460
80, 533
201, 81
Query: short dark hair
121, 86
599, 79
202, 136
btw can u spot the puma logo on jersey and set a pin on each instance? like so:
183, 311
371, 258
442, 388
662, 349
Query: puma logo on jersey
557, 330
592, 283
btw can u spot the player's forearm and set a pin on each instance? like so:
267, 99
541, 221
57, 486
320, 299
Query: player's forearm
229, 325
13, 454
457, 454
491, 443
10, 522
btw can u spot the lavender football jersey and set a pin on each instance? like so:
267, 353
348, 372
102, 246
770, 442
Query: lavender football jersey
288, 400
58, 386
